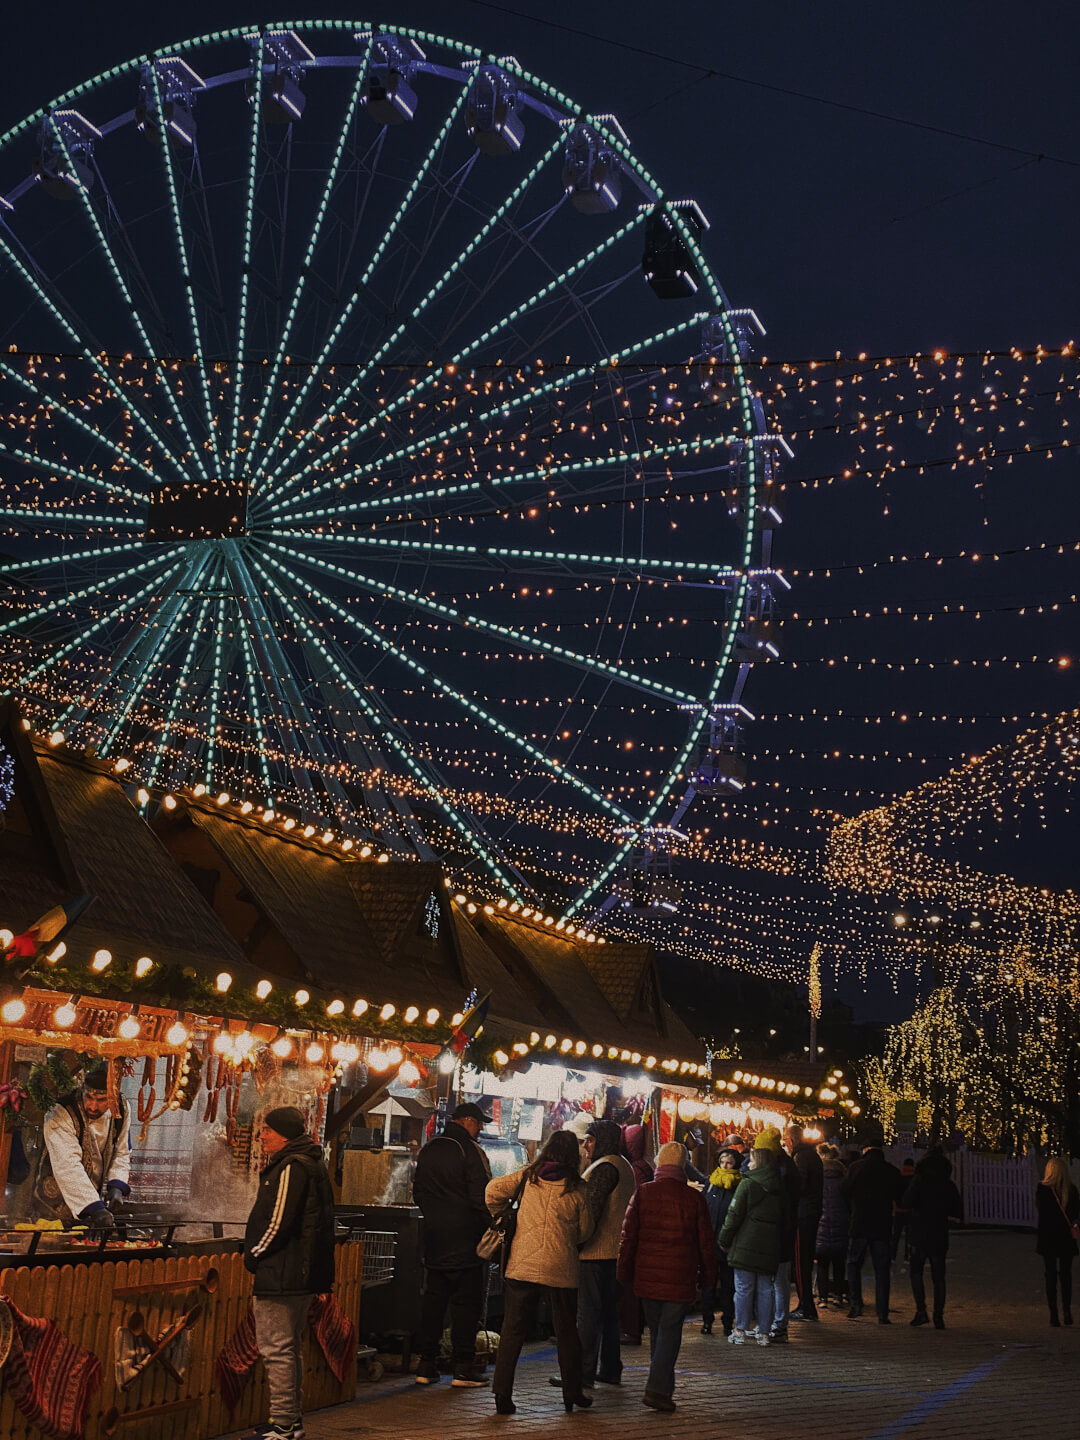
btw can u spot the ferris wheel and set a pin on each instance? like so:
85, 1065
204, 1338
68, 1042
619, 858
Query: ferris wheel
379, 447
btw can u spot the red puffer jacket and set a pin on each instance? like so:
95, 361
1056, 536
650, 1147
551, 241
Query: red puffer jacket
667, 1241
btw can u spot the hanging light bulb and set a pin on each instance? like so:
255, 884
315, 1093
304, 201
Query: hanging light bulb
314, 1053
409, 1073
359, 1006
223, 982
101, 961
65, 1015
282, 1047
12, 1011
128, 1028
301, 997
387, 1012
412, 1014
336, 1007
223, 1044
143, 966
432, 1017
177, 1034
262, 989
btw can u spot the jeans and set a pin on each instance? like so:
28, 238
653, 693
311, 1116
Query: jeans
665, 1321
598, 1321
937, 1274
754, 1293
781, 1298
805, 1244
1059, 1267
720, 1296
279, 1334
879, 1255
521, 1299
463, 1291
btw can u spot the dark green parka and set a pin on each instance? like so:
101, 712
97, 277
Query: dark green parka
752, 1232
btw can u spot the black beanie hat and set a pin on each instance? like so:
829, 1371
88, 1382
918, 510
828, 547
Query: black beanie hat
96, 1078
286, 1120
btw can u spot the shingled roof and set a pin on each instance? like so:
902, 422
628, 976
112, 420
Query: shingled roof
71, 829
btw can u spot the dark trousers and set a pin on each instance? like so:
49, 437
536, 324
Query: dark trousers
665, 1321
805, 1245
831, 1281
1059, 1267
937, 1275
879, 1255
463, 1292
520, 1299
720, 1296
598, 1321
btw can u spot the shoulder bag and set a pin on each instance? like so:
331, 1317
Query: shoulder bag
1074, 1228
496, 1240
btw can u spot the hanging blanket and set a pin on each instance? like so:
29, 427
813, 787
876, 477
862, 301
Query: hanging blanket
50, 1379
334, 1333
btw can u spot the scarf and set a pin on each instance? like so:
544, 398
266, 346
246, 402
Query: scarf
724, 1179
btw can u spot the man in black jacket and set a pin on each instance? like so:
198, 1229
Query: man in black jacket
451, 1176
811, 1194
289, 1248
930, 1202
871, 1187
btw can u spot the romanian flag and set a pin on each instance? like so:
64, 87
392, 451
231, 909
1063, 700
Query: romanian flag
469, 1026
53, 925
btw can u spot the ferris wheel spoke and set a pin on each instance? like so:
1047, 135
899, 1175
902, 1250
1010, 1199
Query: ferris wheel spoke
214, 697
130, 602
71, 597
489, 225
70, 472
378, 638
245, 250
53, 404
34, 516
76, 557
251, 673
469, 554
502, 411
147, 656
129, 300
386, 729
185, 270
123, 398
305, 267
519, 638
500, 481
381, 248
179, 693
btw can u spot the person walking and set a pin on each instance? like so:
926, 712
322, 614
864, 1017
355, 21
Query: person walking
811, 1173
832, 1235
609, 1184
752, 1238
553, 1222
1057, 1207
667, 1245
637, 1141
449, 1183
724, 1181
928, 1204
872, 1189
289, 1248
769, 1138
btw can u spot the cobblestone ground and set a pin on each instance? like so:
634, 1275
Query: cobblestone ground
998, 1371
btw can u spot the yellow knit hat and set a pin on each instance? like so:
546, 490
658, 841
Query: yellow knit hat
769, 1139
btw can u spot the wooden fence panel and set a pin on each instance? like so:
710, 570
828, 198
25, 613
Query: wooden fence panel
82, 1299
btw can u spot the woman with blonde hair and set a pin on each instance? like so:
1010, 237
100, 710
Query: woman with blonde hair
1057, 1203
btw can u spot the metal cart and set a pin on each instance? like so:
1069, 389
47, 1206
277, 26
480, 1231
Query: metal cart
380, 1253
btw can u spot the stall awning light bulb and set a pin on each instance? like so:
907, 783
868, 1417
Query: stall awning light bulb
223, 981
56, 738
314, 1053
501, 1057
412, 1014
12, 1011
448, 1063
101, 961
432, 1017
378, 1060
359, 1006
223, 1044
336, 1007
169, 802
262, 989
143, 966
128, 1028
65, 1015
56, 953
409, 1073
387, 1012
281, 1047
122, 764
142, 795
302, 997
177, 1034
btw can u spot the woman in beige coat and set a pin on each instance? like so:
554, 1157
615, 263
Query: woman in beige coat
553, 1222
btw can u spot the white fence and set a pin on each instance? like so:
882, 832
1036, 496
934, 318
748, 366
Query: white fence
997, 1189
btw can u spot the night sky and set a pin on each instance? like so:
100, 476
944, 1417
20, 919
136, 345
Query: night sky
880, 180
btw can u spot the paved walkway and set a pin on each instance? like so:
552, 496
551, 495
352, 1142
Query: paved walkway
999, 1372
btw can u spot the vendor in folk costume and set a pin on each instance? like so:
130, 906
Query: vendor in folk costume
83, 1174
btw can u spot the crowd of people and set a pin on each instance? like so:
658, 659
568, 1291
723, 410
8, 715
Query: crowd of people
616, 1245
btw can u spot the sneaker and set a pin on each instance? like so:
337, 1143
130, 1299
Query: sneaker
427, 1373
706, 1328
854, 1312
801, 1314
468, 1377
764, 1339
779, 1337
921, 1318
274, 1430
737, 1337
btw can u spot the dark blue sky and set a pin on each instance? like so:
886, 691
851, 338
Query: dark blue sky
846, 231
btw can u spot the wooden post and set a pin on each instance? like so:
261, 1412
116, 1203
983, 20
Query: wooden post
7, 1068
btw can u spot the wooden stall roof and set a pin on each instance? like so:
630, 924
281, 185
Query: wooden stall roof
73, 830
